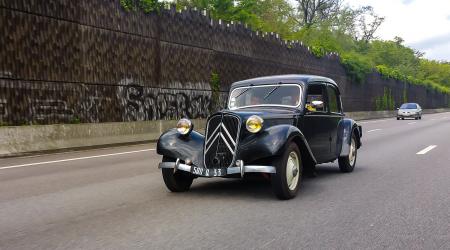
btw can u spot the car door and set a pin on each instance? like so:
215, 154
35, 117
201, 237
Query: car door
313, 124
335, 117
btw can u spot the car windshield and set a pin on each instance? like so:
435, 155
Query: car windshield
408, 106
265, 95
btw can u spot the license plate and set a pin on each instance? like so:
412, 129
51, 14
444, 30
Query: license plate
208, 172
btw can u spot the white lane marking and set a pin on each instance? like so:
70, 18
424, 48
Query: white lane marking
426, 150
373, 130
385, 120
75, 159
410, 123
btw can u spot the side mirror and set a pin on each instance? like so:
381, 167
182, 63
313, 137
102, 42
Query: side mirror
398, 108
317, 104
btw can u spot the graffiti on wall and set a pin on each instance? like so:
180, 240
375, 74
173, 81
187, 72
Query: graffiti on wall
43, 110
148, 103
92, 103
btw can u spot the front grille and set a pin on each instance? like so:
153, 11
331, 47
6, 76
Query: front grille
222, 134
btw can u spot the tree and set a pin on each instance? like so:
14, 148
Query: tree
314, 11
368, 23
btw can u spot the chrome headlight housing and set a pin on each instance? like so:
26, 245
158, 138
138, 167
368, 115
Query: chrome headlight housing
254, 124
184, 126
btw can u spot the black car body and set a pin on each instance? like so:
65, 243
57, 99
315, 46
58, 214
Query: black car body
301, 114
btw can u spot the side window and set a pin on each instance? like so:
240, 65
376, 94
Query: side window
333, 100
314, 96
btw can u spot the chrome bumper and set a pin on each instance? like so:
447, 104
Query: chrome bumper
239, 169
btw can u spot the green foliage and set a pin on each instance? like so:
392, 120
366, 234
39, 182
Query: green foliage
345, 30
386, 101
357, 67
145, 5
261, 15
405, 95
75, 120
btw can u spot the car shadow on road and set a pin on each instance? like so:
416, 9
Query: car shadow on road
258, 187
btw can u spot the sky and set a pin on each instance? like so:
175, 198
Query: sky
423, 24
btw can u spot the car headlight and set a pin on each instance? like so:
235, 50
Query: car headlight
254, 124
184, 126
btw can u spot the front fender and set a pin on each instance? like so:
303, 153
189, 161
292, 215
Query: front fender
345, 130
174, 145
271, 142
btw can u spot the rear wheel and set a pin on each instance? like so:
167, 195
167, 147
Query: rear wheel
398, 118
347, 163
179, 181
286, 181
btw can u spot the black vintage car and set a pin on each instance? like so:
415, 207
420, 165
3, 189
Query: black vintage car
281, 126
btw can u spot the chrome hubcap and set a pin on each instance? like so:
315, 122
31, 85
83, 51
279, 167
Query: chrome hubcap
352, 155
292, 170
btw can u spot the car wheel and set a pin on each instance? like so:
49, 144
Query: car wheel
286, 181
398, 118
403, 118
416, 118
420, 117
179, 181
347, 163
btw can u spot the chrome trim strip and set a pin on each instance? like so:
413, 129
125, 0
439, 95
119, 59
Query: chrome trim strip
180, 166
230, 170
228, 133
206, 150
212, 134
252, 169
226, 143
207, 122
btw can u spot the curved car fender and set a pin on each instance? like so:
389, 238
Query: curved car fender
345, 129
271, 142
174, 145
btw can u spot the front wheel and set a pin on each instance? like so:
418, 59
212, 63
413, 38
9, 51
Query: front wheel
286, 181
176, 182
347, 163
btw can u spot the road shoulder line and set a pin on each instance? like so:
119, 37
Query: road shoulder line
76, 159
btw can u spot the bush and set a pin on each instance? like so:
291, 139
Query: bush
356, 67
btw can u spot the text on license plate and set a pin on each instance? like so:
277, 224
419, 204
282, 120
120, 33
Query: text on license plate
211, 172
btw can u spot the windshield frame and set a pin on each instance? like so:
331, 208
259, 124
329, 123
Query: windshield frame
299, 86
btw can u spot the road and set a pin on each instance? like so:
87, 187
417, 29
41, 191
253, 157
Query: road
115, 199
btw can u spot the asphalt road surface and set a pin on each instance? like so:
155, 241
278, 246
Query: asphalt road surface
115, 199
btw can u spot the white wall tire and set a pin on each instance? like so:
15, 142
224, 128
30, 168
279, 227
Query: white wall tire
286, 181
347, 163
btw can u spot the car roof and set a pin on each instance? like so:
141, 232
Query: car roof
294, 78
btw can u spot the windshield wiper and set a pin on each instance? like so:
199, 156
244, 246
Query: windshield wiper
273, 90
247, 89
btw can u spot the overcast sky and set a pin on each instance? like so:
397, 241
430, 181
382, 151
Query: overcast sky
423, 24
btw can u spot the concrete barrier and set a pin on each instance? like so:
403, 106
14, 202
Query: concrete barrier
20, 140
